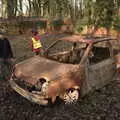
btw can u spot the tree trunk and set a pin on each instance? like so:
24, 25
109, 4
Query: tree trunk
30, 7
42, 10
21, 7
11, 8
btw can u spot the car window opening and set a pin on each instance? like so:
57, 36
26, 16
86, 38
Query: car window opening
70, 57
100, 54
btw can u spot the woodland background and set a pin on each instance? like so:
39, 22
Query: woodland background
83, 15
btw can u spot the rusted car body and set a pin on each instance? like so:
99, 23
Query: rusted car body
68, 74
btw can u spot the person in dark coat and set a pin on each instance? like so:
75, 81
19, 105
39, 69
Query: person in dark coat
6, 54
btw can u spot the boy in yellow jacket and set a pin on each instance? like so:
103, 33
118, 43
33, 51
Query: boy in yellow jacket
36, 44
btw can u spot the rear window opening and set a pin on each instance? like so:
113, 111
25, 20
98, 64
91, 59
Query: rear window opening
99, 54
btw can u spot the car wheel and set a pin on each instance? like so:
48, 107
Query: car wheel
71, 96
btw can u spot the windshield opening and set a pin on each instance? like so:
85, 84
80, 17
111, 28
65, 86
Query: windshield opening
70, 54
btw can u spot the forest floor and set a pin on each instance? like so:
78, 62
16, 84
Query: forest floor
103, 104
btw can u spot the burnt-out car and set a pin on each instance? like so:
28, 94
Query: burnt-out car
68, 74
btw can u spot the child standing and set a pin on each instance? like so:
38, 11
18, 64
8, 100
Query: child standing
36, 44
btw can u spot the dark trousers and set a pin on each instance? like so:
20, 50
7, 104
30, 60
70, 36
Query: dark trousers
6, 67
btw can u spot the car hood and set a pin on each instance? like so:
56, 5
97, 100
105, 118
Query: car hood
38, 67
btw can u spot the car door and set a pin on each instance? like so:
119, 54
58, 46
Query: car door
100, 69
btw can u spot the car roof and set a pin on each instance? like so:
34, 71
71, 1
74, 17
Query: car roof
79, 39
87, 40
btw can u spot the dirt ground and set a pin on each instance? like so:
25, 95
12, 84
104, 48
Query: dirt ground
103, 104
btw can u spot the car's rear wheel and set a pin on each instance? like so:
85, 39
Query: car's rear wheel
71, 96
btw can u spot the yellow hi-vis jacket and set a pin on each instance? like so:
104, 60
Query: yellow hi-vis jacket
36, 43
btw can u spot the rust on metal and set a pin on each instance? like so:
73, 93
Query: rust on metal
60, 77
89, 40
32, 97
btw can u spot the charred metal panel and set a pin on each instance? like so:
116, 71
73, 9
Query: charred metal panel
98, 75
